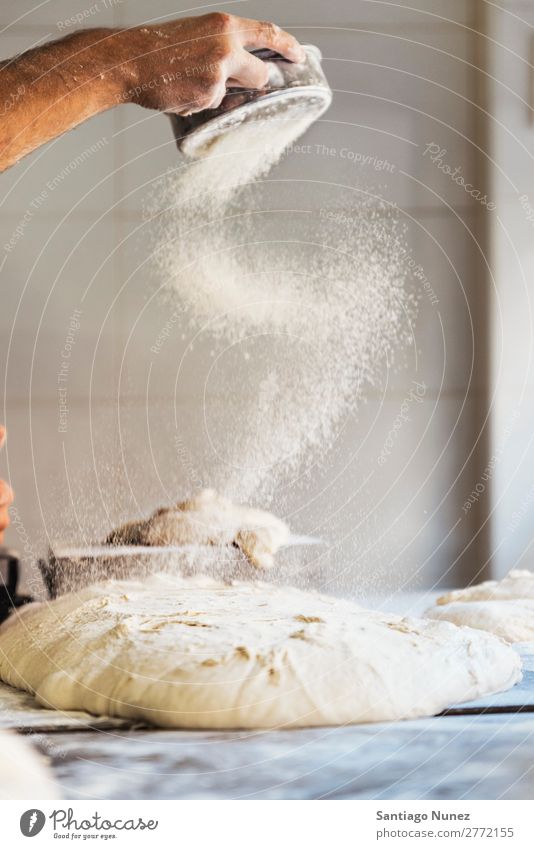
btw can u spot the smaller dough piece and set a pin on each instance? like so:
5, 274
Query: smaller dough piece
504, 608
24, 772
209, 519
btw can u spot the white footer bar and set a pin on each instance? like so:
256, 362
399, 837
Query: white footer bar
264, 824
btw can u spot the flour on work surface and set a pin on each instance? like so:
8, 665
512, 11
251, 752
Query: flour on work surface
209, 519
505, 608
318, 309
195, 653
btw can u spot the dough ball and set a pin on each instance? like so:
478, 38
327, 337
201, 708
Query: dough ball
209, 519
195, 653
505, 608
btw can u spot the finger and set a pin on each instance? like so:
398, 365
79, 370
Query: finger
4, 523
257, 34
4, 516
6, 495
216, 97
248, 71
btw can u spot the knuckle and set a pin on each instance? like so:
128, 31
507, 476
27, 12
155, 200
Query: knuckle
221, 21
269, 29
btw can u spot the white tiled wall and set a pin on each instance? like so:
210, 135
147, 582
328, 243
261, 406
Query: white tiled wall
403, 78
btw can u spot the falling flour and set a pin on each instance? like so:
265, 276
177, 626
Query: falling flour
317, 303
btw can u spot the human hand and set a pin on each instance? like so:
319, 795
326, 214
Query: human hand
6, 495
185, 66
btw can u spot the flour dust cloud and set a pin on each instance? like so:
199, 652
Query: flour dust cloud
305, 305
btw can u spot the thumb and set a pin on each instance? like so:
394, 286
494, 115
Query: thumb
3, 434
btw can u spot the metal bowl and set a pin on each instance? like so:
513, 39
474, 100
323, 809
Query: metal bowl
69, 568
291, 88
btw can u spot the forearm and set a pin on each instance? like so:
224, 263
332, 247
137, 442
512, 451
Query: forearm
181, 66
51, 89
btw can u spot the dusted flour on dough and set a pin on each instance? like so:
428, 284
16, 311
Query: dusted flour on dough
505, 608
209, 519
194, 653
23, 771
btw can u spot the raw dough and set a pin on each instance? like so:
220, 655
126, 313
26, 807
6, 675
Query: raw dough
194, 653
505, 608
23, 771
209, 519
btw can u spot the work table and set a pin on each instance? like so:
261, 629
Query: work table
446, 757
